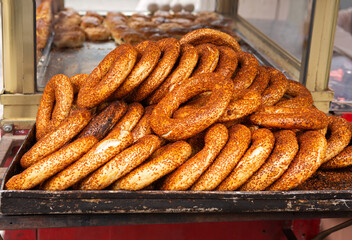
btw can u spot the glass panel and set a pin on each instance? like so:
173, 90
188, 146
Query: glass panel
286, 22
135, 5
340, 80
103, 5
83, 59
1, 67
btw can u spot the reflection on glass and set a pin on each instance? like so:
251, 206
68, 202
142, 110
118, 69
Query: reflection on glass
284, 21
93, 5
340, 80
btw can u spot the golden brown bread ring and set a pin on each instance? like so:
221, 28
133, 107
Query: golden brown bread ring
197, 142
232, 123
121, 164
134, 113
261, 81
57, 161
54, 140
187, 62
247, 102
143, 126
247, 71
285, 149
290, 118
149, 55
77, 81
208, 58
174, 129
107, 77
104, 121
227, 63
192, 106
341, 160
312, 149
261, 145
50, 165
207, 35
101, 152
300, 96
55, 104
188, 173
277, 87
170, 49
172, 156
236, 146
340, 136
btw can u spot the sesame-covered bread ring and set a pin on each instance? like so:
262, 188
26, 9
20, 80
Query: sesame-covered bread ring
134, 113
192, 106
207, 62
57, 161
260, 81
52, 164
182, 128
285, 149
341, 160
207, 35
290, 118
108, 76
340, 136
105, 120
262, 143
184, 176
55, 104
143, 128
149, 55
227, 63
300, 96
208, 58
248, 70
312, 149
77, 81
277, 87
236, 146
170, 49
54, 140
247, 102
171, 157
121, 164
101, 152
186, 64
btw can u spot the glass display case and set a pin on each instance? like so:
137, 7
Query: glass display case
294, 36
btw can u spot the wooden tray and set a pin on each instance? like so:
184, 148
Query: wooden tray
23, 202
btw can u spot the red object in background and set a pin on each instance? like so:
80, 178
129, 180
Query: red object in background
337, 74
28, 234
347, 116
249, 230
